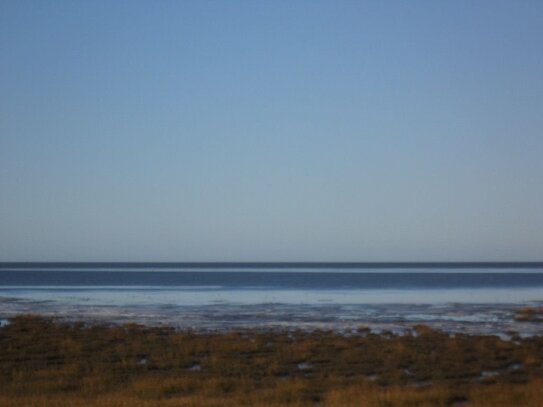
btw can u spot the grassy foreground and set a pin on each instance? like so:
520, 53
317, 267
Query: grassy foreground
49, 363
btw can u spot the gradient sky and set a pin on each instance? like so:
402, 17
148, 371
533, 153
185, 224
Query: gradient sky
272, 131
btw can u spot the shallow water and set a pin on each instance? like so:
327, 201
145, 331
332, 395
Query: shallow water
472, 300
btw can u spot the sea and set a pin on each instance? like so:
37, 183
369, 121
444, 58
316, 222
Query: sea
472, 298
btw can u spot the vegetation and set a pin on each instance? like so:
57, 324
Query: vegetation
529, 315
50, 363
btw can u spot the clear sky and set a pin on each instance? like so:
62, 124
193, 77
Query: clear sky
271, 130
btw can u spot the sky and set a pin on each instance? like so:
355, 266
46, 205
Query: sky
271, 130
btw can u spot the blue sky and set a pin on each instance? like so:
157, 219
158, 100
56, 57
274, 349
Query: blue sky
273, 130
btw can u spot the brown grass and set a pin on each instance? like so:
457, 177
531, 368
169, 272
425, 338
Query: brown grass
529, 314
48, 363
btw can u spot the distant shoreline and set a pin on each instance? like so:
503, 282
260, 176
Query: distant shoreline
280, 265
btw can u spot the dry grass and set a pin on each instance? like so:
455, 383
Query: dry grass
529, 314
47, 363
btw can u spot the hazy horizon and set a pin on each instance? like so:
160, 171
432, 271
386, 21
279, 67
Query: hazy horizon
345, 265
271, 131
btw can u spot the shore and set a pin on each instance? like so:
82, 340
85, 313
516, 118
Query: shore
48, 362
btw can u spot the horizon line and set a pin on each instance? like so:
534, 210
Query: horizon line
274, 264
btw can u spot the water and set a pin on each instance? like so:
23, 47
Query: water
224, 296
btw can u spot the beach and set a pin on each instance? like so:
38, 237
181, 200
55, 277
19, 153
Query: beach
117, 335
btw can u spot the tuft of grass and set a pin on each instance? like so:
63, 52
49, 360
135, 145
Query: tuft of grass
529, 315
